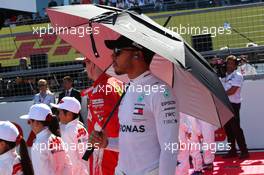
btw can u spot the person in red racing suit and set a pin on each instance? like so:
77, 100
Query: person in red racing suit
103, 95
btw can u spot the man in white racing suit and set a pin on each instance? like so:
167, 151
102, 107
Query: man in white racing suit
208, 138
148, 117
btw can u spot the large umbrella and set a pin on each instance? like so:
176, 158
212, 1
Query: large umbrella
197, 88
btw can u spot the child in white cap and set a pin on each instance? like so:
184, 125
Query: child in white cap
73, 133
48, 154
10, 162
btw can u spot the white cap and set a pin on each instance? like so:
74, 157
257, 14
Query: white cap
38, 112
81, 58
252, 45
68, 103
8, 131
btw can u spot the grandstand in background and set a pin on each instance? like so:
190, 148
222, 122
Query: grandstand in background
51, 58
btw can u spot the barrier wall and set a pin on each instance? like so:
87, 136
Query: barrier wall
252, 113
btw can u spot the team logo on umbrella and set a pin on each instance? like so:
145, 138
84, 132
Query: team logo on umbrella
127, 26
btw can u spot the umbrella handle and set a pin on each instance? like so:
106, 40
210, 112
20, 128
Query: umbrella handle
89, 152
96, 54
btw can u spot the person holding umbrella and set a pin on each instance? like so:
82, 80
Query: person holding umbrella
148, 121
199, 90
103, 95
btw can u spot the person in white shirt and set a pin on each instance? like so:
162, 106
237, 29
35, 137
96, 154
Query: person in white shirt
48, 154
245, 68
73, 133
148, 120
232, 84
10, 162
44, 95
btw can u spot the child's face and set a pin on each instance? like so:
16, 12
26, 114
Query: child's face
3, 146
63, 117
35, 126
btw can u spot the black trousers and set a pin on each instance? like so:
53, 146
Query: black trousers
234, 132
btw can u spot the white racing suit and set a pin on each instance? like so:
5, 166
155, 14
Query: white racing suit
190, 145
75, 138
10, 163
208, 135
148, 127
48, 155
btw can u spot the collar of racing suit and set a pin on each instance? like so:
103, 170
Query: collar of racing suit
140, 78
10, 153
42, 133
102, 78
72, 123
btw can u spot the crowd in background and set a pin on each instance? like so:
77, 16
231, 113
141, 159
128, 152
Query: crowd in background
21, 86
244, 67
158, 5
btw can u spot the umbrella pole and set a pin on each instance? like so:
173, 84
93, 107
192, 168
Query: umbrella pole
89, 152
167, 21
96, 54
217, 111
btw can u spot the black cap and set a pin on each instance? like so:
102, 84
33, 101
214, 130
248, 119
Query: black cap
123, 42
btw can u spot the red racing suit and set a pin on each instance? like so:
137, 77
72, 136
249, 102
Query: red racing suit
102, 98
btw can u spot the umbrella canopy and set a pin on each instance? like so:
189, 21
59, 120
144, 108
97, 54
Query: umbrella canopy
197, 88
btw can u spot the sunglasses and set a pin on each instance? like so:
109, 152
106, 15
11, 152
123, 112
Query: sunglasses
117, 51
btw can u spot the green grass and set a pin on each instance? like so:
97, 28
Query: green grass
20, 29
7, 43
176, 11
248, 21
